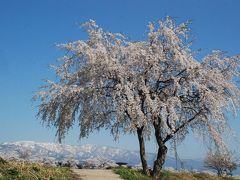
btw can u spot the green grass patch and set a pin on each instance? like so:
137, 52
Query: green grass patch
12, 170
131, 174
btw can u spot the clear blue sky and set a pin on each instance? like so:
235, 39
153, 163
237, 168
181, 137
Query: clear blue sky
29, 30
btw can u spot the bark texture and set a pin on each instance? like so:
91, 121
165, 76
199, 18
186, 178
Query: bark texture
158, 163
142, 151
162, 152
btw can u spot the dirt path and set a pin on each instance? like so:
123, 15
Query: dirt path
96, 174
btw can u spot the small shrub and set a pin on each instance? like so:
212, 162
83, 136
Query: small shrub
2, 161
13, 172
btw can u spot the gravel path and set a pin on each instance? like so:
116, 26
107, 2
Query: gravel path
96, 174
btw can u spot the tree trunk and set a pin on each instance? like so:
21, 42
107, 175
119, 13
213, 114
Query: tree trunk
162, 152
158, 163
142, 151
219, 172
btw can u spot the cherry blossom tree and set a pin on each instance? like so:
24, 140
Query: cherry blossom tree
154, 86
221, 162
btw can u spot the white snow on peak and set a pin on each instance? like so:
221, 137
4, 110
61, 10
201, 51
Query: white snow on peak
55, 152
35, 151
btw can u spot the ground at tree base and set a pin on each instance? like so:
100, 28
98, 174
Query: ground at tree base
131, 174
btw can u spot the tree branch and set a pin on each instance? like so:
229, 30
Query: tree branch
169, 136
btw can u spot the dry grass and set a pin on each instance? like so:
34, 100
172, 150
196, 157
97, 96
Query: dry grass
27, 171
166, 175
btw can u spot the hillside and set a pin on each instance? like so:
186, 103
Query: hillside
23, 170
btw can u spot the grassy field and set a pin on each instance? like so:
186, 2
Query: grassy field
11, 170
130, 174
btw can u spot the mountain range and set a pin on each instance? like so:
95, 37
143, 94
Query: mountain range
53, 152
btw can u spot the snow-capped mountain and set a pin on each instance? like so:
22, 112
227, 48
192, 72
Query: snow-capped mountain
36, 151
53, 152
